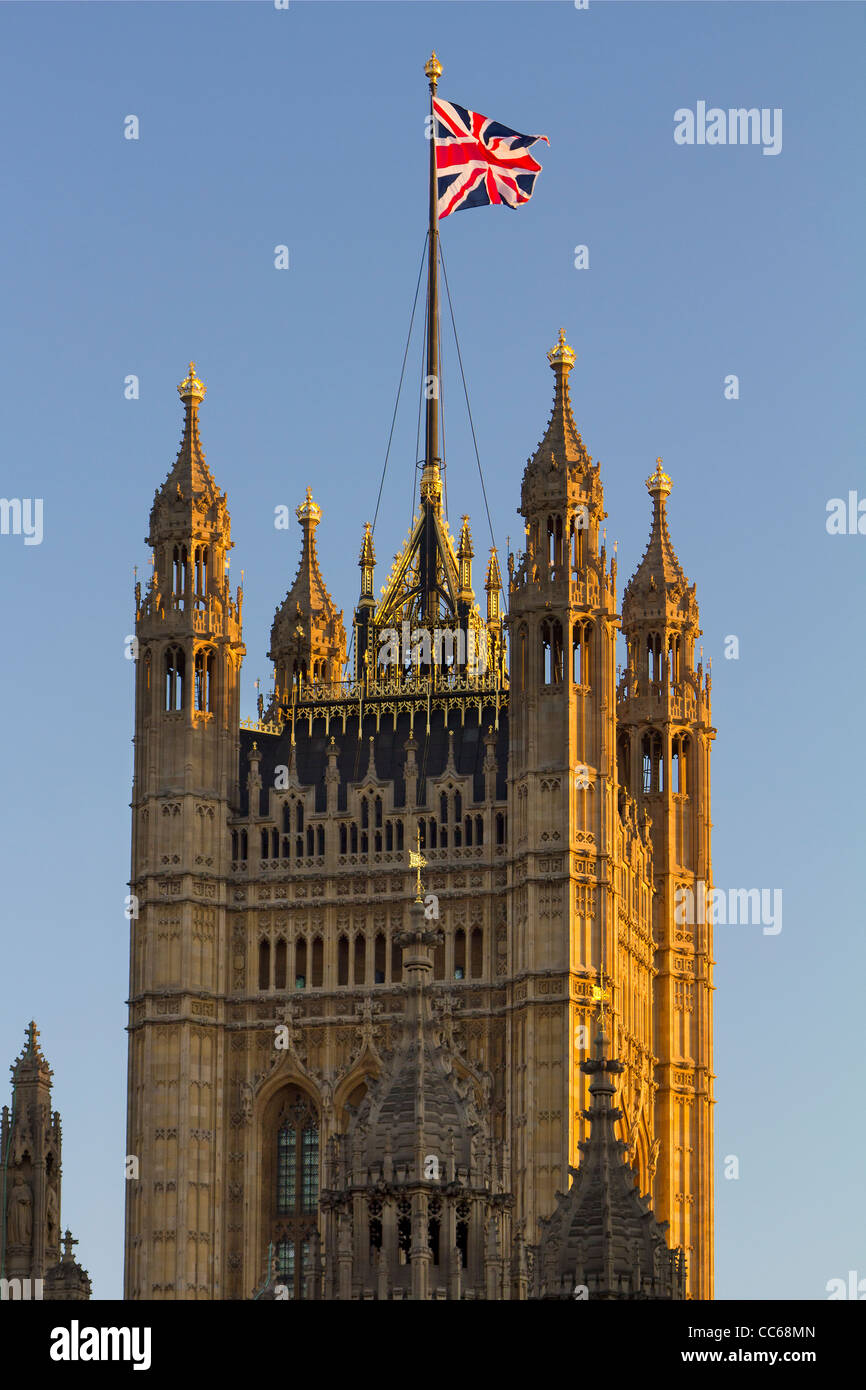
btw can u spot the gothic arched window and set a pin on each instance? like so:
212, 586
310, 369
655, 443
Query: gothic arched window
204, 678
296, 1195
174, 678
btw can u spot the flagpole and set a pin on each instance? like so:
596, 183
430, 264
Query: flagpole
431, 484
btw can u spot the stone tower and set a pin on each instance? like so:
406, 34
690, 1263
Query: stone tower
603, 1241
187, 716
30, 1187
288, 1009
664, 739
580, 856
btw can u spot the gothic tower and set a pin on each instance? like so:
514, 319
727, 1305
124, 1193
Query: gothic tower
664, 738
30, 1188
580, 856
187, 718
603, 1241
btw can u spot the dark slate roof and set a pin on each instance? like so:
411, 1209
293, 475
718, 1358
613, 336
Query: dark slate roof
388, 748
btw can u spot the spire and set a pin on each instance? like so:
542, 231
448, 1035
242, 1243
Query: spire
562, 444
603, 1233
31, 1064
190, 475
368, 554
658, 591
493, 586
659, 567
308, 636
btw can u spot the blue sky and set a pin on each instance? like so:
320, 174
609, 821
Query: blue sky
304, 127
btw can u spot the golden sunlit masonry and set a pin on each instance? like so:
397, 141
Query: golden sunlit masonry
338, 1087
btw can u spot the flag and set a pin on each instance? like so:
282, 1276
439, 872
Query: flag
479, 161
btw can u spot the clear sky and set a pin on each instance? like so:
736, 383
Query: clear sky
304, 127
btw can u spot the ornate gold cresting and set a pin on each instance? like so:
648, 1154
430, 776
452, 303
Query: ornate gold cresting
658, 483
191, 390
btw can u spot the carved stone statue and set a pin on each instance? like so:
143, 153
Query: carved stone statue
20, 1213
52, 1217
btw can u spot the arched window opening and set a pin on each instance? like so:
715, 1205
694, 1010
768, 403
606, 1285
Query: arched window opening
434, 1214
404, 1232
439, 962
287, 819
460, 954
375, 1225
264, 965
301, 963
287, 847
343, 961
353, 837
365, 813
296, 1193
317, 973
462, 1241
360, 958
500, 828
204, 668
443, 808
265, 842
467, 832
378, 812
311, 841
175, 663
320, 839
244, 850
299, 816
280, 964
623, 761
551, 651
476, 953
399, 836
389, 837
344, 838
275, 843
396, 963
458, 807
479, 830
379, 959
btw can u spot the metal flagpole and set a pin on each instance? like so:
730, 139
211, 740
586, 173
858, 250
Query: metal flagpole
431, 485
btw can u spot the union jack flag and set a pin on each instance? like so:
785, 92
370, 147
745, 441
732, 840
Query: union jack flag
479, 161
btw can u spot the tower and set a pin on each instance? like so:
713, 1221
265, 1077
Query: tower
30, 1188
664, 740
308, 639
187, 716
603, 1241
580, 877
